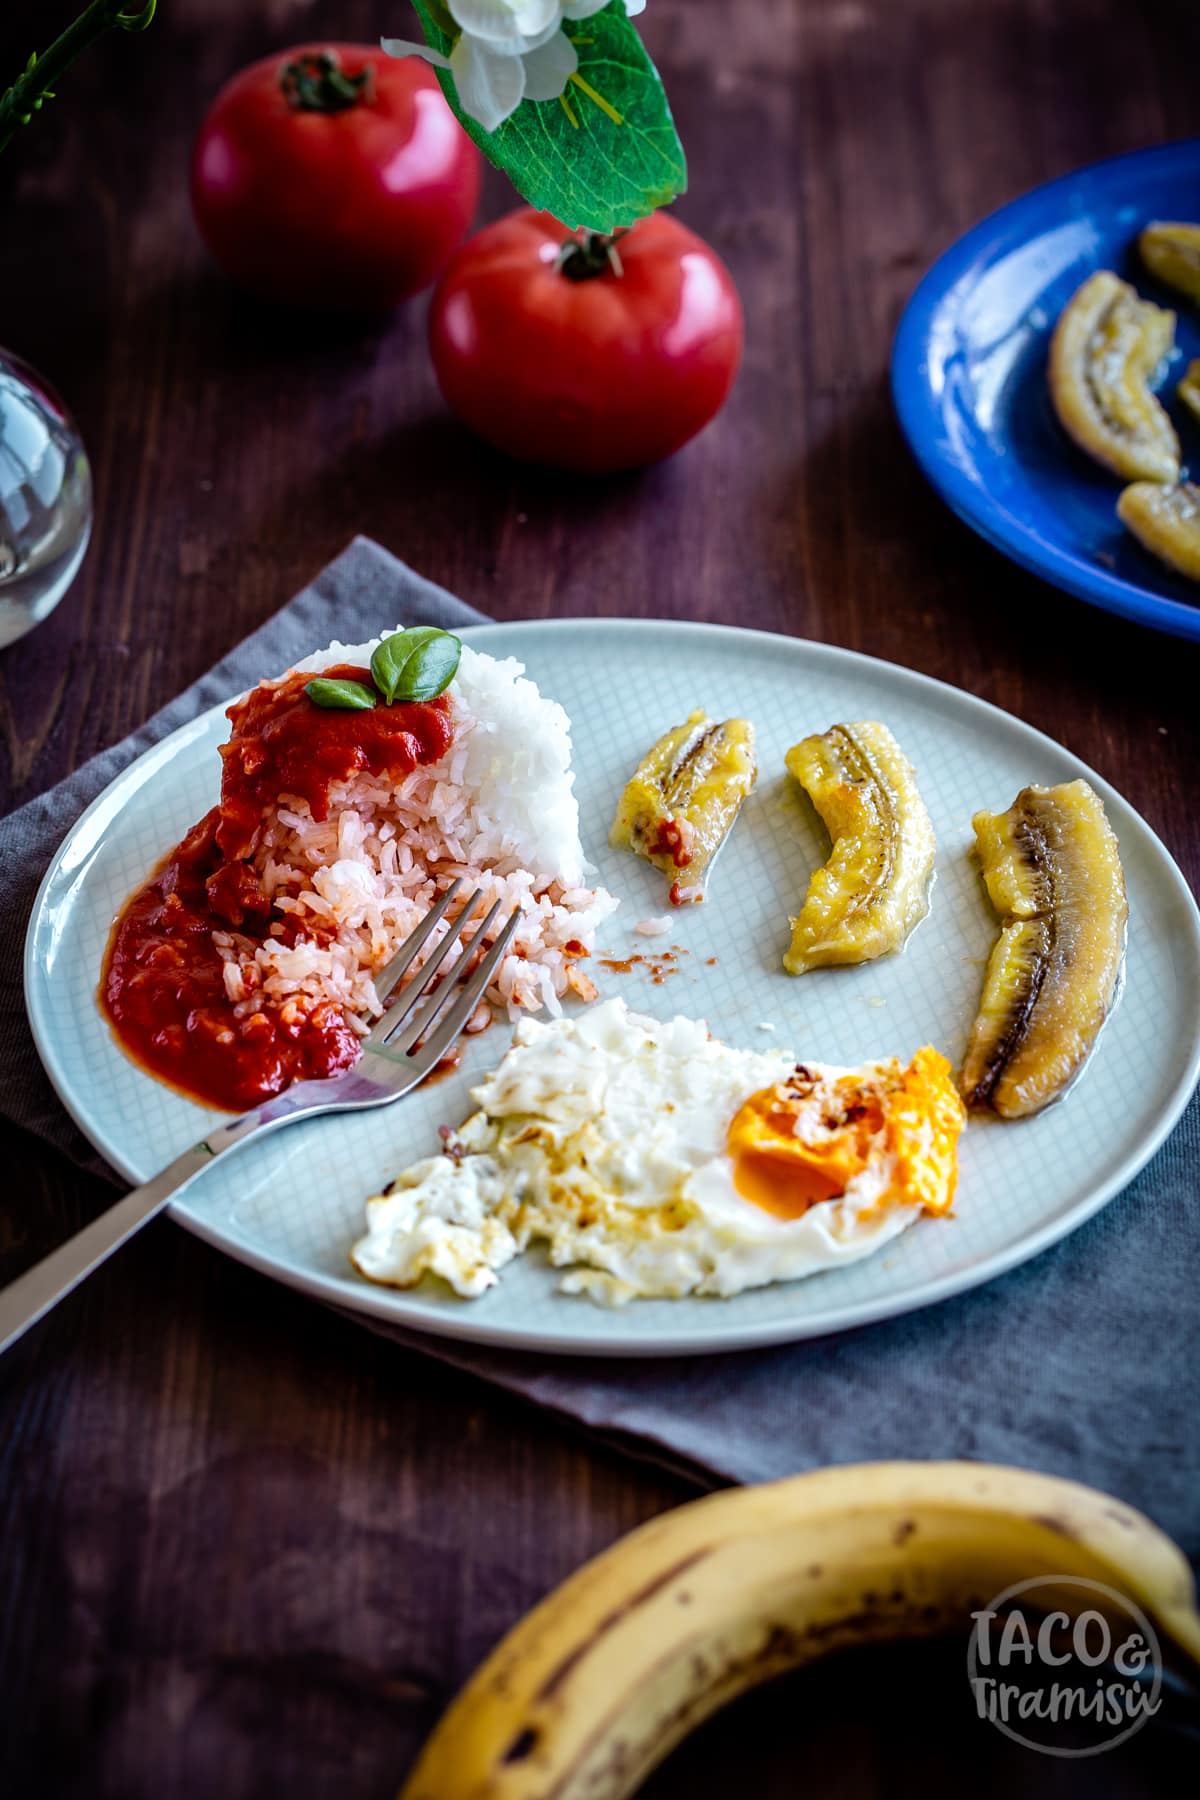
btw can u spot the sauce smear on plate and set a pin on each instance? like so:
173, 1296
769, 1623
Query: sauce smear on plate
163, 988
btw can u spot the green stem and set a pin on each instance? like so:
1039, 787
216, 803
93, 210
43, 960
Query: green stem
314, 82
19, 103
586, 254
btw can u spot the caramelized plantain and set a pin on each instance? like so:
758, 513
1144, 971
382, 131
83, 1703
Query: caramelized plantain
684, 796
1053, 872
1189, 388
1172, 252
875, 886
1106, 348
1166, 521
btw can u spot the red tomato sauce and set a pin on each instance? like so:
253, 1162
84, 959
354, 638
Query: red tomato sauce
282, 744
163, 987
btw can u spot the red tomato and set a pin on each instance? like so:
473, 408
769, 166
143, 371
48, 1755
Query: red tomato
564, 355
332, 175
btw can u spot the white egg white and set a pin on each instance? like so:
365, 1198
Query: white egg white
603, 1136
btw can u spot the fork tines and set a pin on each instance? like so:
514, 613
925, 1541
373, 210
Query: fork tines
402, 1027
469, 986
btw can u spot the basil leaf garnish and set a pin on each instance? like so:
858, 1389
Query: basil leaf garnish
417, 664
340, 696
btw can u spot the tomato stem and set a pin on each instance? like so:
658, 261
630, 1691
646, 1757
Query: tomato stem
316, 82
586, 254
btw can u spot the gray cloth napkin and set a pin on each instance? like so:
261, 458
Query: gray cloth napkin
1083, 1363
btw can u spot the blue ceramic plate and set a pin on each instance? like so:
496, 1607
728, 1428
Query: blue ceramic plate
969, 379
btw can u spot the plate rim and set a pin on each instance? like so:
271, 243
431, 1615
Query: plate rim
919, 415
382, 1303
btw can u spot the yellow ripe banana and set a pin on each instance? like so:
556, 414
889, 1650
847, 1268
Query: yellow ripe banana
594, 1686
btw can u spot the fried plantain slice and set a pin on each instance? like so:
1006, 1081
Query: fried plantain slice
875, 886
682, 801
1053, 872
1189, 388
1165, 521
1107, 345
1172, 252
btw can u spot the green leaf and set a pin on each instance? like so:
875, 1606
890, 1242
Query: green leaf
340, 696
574, 159
417, 664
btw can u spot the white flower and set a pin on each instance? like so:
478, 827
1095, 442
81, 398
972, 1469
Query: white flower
508, 51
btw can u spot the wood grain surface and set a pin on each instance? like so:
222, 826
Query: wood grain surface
245, 1547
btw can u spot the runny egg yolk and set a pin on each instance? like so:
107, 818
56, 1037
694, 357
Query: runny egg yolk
909, 1123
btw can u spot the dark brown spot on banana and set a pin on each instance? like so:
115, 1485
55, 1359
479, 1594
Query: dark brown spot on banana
562, 1670
1052, 1522
523, 1745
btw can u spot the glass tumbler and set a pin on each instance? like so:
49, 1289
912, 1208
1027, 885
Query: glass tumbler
45, 499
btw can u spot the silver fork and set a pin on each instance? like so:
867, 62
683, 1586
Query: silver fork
404, 1046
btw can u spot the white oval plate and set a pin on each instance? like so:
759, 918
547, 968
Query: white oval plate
293, 1206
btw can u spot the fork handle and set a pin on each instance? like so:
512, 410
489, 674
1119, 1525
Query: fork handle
24, 1301
27, 1299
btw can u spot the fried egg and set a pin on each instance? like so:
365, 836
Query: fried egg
653, 1160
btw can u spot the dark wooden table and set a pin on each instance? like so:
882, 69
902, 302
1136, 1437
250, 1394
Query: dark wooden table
245, 1547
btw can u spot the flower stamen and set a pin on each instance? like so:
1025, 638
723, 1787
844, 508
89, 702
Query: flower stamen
585, 87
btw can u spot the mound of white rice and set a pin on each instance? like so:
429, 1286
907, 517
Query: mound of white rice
499, 810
